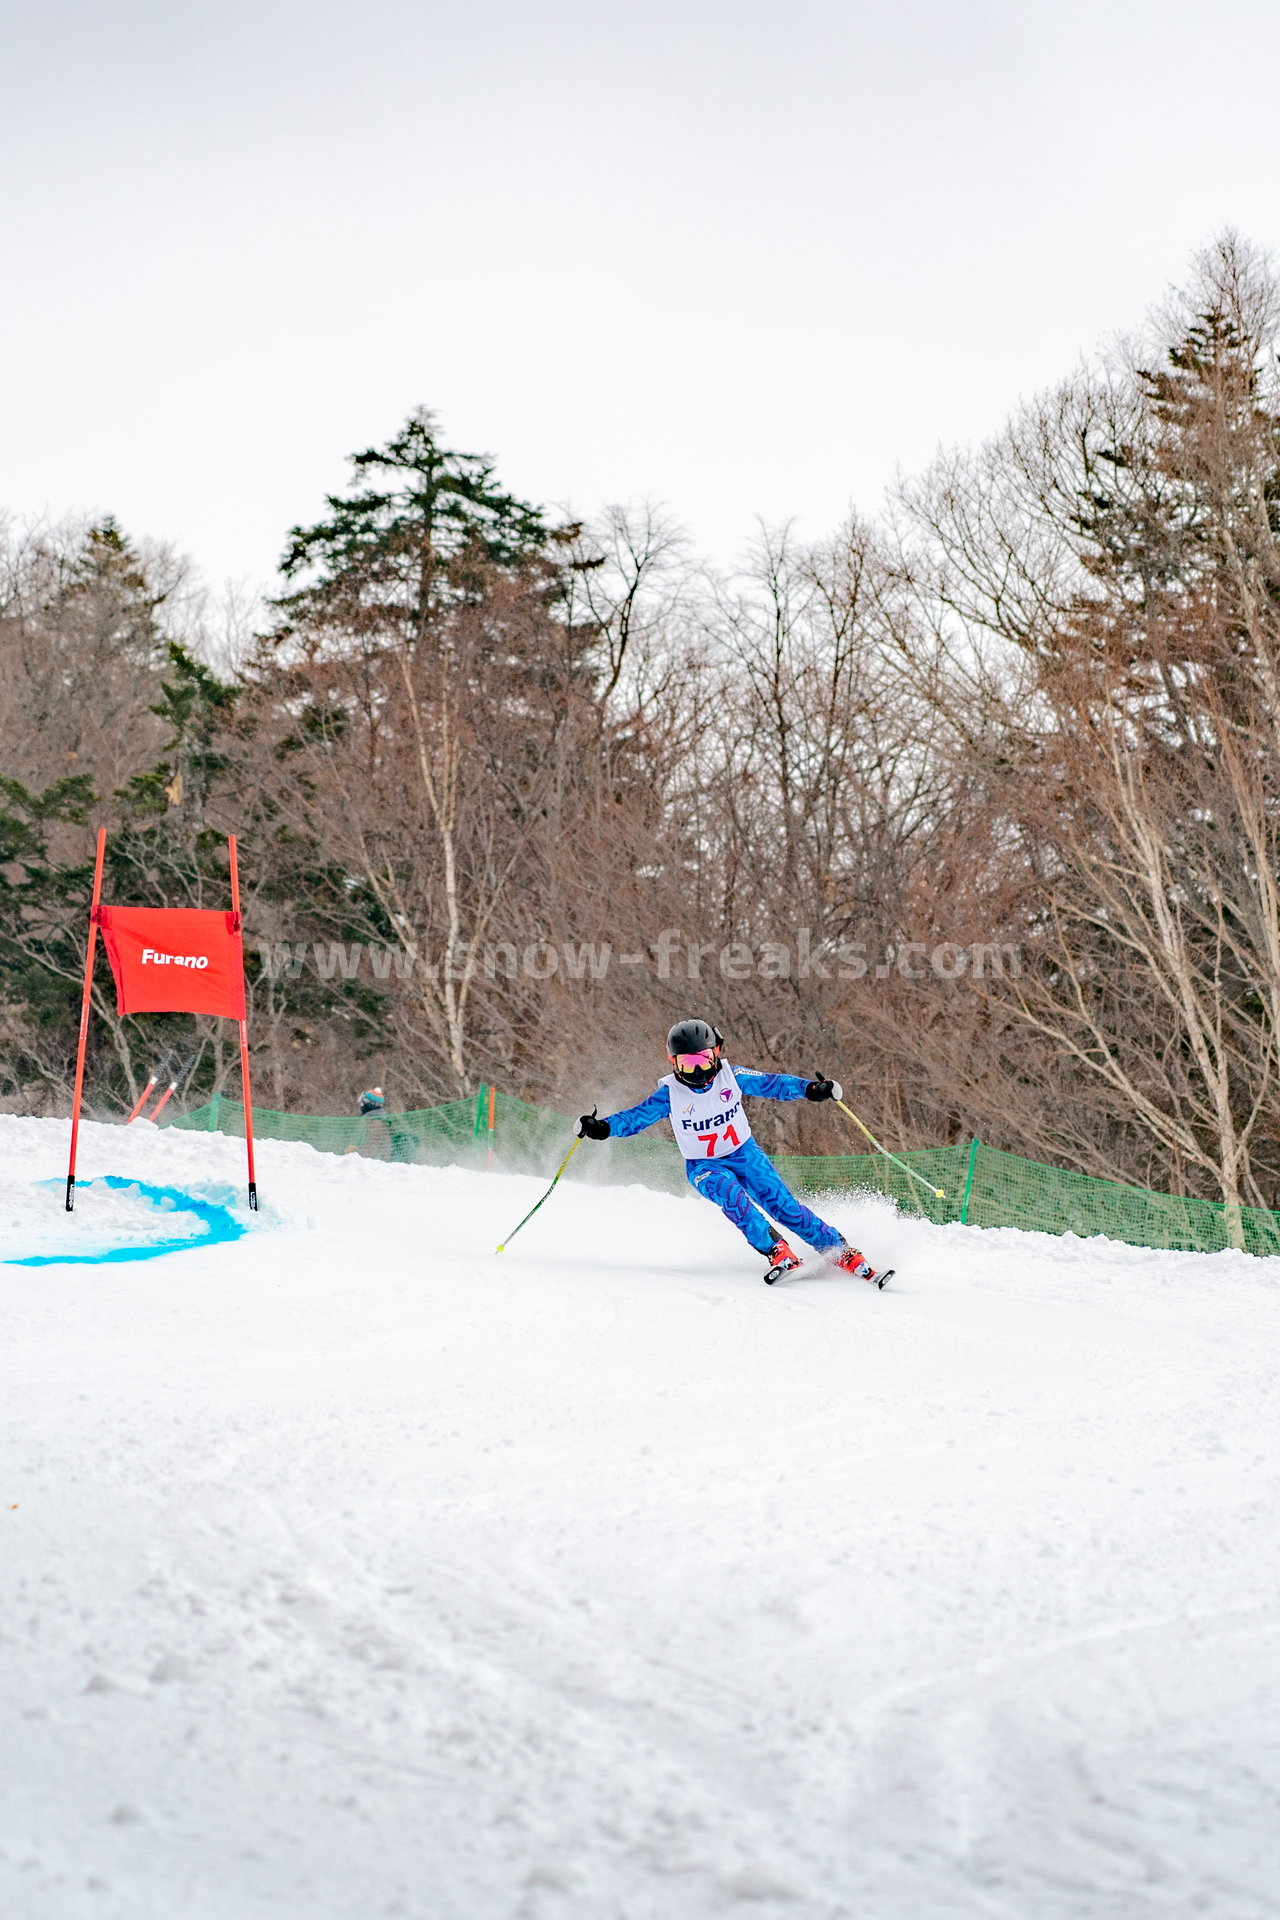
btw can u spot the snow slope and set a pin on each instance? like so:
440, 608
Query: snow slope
351, 1569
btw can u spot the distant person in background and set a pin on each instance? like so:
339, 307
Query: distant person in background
395, 1139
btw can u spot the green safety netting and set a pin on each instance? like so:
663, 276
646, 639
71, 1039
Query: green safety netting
989, 1188
982, 1185
524, 1139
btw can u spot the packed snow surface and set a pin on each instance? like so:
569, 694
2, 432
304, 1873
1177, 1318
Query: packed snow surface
352, 1569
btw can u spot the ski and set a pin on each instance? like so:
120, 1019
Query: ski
849, 1261
876, 1277
788, 1263
784, 1261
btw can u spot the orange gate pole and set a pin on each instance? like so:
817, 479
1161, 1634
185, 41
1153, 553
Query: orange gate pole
90, 952
244, 1038
142, 1100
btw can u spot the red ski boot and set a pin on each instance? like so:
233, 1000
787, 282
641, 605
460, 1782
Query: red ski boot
782, 1260
852, 1261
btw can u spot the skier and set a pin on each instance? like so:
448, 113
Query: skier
702, 1098
372, 1102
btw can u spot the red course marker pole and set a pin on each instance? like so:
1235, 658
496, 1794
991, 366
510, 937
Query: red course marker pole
84, 1016
244, 1038
143, 1098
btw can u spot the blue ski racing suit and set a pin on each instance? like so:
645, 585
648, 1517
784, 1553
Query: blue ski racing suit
743, 1182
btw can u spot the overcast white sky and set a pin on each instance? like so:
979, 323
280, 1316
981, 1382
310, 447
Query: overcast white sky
749, 258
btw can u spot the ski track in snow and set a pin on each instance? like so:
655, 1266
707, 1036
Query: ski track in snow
354, 1570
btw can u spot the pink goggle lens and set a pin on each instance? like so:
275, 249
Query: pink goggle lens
690, 1062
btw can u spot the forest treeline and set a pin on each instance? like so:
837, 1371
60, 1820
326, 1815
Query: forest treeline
975, 806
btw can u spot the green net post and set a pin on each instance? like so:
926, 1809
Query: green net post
968, 1184
480, 1093
214, 1106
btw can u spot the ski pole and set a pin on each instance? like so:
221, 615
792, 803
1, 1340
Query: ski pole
937, 1192
502, 1245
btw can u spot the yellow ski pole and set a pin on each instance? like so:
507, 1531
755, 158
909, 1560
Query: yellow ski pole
502, 1245
937, 1192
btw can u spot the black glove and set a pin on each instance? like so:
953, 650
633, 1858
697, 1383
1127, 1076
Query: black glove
589, 1128
820, 1088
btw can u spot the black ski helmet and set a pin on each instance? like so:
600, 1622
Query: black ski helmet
695, 1036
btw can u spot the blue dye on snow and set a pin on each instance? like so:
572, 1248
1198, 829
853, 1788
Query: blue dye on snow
219, 1224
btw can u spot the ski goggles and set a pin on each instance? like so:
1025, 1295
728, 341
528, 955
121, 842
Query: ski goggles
691, 1062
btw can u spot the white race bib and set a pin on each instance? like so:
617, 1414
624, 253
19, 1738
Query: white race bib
709, 1124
